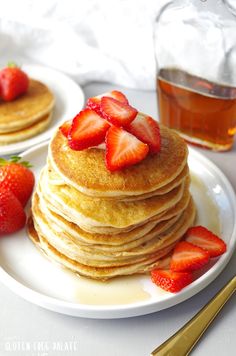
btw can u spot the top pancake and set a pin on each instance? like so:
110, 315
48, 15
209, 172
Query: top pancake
26, 109
86, 170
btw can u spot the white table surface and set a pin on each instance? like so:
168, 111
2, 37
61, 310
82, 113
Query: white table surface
26, 326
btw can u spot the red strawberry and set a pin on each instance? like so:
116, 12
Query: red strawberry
123, 149
65, 128
95, 102
118, 113
147, 130
16, 176
12, 215
188, 257
88, 129
202, 237
171, 281
14, 82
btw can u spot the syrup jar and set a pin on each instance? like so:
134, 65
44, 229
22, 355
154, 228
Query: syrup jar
195, 51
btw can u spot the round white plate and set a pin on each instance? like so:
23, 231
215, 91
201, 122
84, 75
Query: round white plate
29, 274
69, 100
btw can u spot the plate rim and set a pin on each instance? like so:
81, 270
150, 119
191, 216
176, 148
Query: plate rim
136, 308
9, 148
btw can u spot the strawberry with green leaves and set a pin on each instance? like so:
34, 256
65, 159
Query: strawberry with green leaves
13, 82
16, 176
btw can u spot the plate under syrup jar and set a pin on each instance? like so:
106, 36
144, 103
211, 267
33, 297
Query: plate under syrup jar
195, 51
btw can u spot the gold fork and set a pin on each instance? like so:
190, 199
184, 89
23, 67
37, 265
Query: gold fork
183, 341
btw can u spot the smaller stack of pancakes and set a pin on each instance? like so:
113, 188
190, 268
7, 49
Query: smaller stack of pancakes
26, 116
103, 224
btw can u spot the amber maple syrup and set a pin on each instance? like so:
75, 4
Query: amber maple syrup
203, 112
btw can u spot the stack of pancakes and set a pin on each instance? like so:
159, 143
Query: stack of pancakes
26, 116
101, 224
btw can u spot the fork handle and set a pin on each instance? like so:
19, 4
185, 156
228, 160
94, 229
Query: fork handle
183, 341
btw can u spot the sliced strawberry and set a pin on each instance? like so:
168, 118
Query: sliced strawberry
118, 95
94, 103
118, 113
202, 237
147, 130
65, 128
88, 129
123, 149
171, 281
188, 257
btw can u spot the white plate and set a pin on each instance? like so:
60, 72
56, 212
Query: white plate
29, 274
69, 100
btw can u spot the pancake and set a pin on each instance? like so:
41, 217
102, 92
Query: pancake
101, 274
26, 109
50, 226
83, 236
84, 210
86, 171
123, 237
55, 179
95, 231
157, 236
103, 224
27, 132
98, 259
137, 260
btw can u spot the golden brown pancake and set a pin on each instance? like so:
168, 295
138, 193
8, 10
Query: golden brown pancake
101, 224
137, 260
27, 132
119, 239
26, 109
88, 211
49, 224
55, 179
86, 171
102, 273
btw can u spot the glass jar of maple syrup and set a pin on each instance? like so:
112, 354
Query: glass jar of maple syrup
195, 50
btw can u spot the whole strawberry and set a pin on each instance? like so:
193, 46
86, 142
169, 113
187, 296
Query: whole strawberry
13, 82
12, 215
16, 176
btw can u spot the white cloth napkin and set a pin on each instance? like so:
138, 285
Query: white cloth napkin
91, 40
